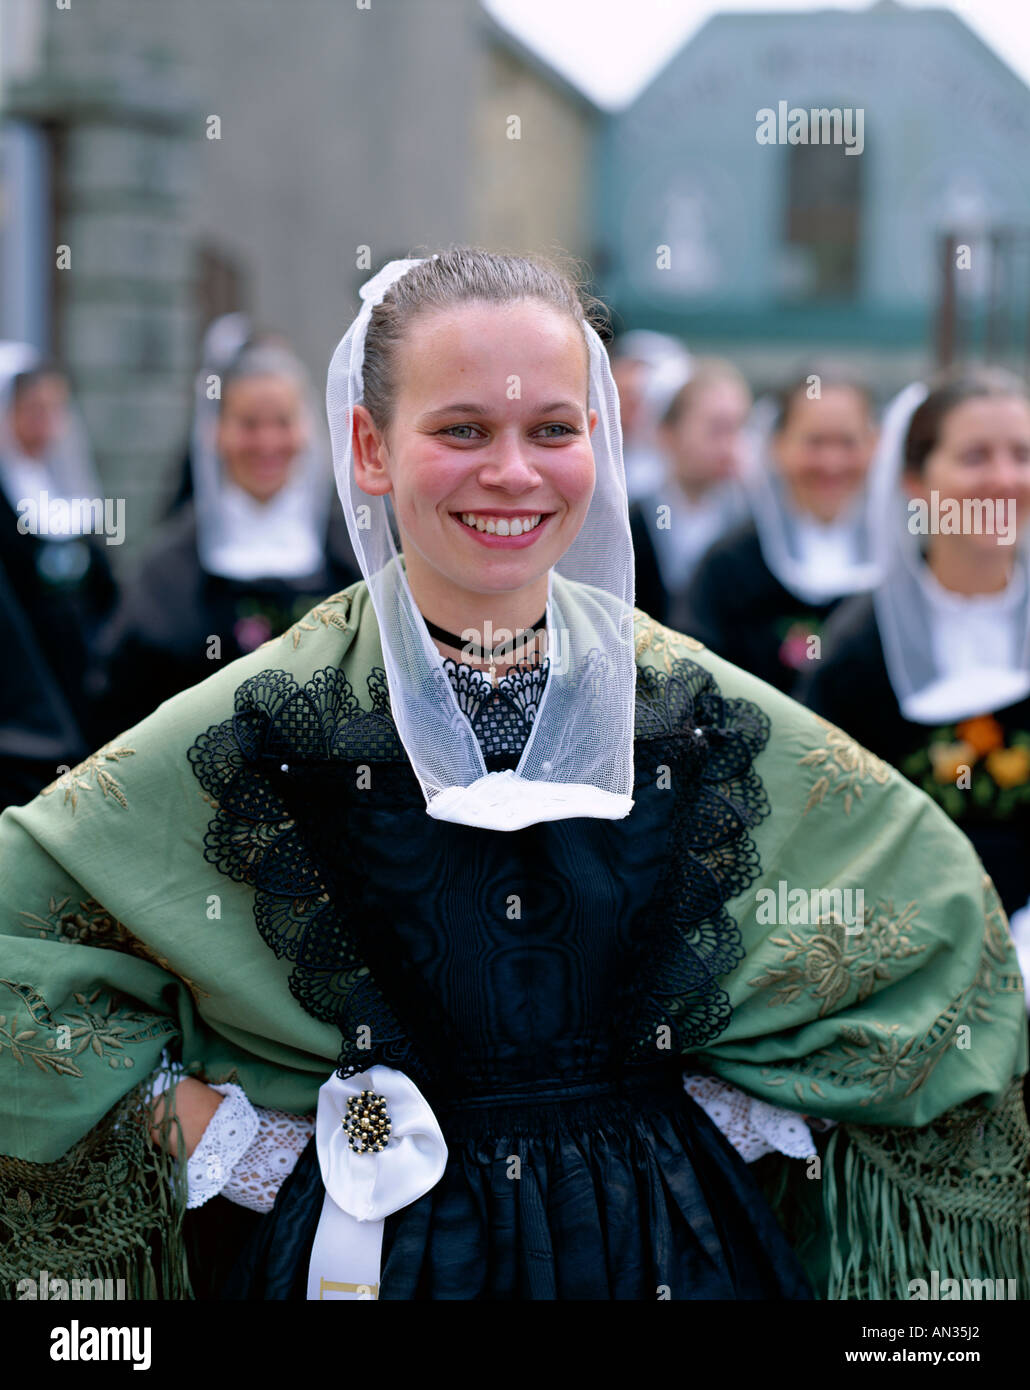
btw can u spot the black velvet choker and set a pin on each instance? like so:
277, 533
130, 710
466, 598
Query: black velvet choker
453, 640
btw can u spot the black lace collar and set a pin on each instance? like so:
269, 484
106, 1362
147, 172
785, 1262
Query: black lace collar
501, 715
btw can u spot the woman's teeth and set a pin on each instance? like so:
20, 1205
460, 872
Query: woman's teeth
501, 525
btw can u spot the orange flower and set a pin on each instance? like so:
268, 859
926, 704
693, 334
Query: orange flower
949, 758
984, 733
1010, 767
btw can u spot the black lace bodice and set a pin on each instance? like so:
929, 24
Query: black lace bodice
482, 962
501, 716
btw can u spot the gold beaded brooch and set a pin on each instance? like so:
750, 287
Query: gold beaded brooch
367, 1123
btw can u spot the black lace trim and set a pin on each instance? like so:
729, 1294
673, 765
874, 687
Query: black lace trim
686, 732
501, 716
705, 747
252, 838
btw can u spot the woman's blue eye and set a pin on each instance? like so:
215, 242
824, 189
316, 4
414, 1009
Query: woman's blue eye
557, 425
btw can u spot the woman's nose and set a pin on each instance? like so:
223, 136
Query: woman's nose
508, 465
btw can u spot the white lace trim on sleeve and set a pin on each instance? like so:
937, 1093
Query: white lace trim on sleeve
229, 1134
753, 1127
268, 1162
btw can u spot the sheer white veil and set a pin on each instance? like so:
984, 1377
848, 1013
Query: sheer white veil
910, 607
578, 760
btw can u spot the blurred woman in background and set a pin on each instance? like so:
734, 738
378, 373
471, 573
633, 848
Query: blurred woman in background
56, 570
647, 368
700, 437
253, 551
761, 594
932, 670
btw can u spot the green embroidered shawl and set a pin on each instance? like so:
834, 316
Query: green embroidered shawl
121, 939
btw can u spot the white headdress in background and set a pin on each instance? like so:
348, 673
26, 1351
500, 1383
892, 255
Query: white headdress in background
949, 656
669, 367
814, 561
578, 760
66, 472
239, 537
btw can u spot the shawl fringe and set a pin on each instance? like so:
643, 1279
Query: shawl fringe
947, 1201
111, 1208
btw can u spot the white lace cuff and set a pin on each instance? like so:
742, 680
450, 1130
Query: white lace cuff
753, 1127
281, 1139
229, 1134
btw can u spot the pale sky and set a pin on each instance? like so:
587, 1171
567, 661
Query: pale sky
611, 48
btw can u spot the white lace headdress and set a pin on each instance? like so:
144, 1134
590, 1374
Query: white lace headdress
578, 759
949, 657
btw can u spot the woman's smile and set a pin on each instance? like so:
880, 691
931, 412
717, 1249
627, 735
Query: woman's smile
507, 530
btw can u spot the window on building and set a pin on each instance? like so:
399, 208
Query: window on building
824, 205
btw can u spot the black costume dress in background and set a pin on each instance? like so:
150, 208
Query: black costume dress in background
737, 607
542, 987
65, 589
158, 642
650, 589
38, 732
851, 688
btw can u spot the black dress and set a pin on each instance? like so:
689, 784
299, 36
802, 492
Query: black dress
737, 607
542, 988
160, 640
38, 732
851, 688
65, 590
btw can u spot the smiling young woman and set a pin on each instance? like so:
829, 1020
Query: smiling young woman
763, 593
460, 985
932, 670
491, 490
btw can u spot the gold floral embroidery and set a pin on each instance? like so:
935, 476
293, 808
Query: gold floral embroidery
998, 970
829, 962
322, 615
880, 1055
92, 925
106, 1030
78, 779
662, 642
844, 766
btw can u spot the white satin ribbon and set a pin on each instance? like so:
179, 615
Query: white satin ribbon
362, 1189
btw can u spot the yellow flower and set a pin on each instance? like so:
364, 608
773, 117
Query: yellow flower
1010, 767
948, 758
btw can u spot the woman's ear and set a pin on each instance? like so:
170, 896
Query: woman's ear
592, 420
370, 455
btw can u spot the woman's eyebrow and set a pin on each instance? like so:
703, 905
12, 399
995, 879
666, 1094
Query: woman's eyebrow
470, 408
